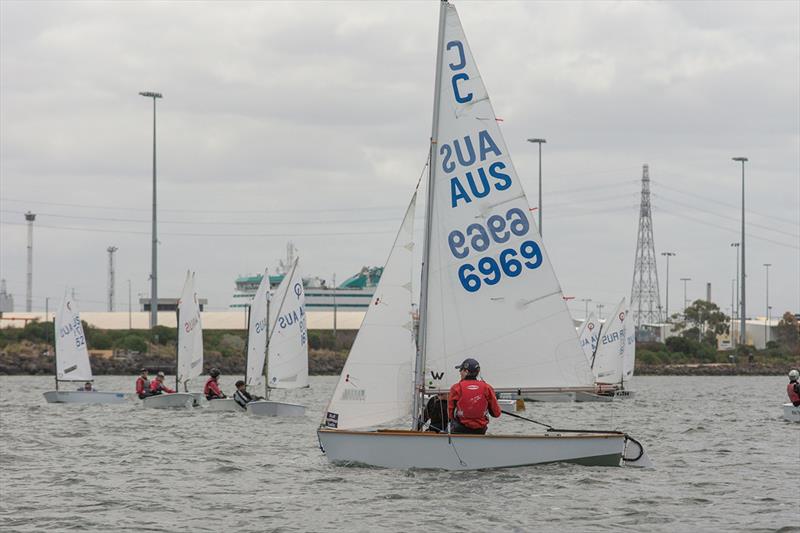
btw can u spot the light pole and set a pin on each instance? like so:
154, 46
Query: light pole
743, 316
736, 245
539, 142
668, 255
733, 311
600, 311
586, 309
766, 322
130, 310
154, 253
684, 280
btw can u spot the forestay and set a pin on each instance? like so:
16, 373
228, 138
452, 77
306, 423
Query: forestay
375, 385
611, 347
492, 293
588, 336
287, 354
629, 356
72, 356
257, 334
190, 333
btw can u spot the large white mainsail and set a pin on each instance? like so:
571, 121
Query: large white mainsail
190, 333
491, 291
611, 347
287, 353
72, 356
375, 384
629, 355
588, 336
257, 332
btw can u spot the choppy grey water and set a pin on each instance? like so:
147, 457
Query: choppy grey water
724, 460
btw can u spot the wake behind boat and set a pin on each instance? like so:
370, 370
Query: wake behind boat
488, 291
72, 360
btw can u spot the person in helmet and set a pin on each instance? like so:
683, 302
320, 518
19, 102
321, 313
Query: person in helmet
793, 388
212, 390
157, 385
470, 400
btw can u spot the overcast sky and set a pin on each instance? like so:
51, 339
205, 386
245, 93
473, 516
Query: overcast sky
310, 121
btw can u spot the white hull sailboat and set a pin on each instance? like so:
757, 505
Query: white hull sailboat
183, 400
277, 346
791, 413
72, 360
426, 450
73, 396
488, 291
190, 352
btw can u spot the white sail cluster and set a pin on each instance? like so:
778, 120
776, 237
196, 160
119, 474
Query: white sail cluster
72, 356
615, 354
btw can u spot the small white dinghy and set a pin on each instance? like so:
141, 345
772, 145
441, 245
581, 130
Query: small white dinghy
488, 291
280, 341
183, 400
72, 360
190, 352
791, 413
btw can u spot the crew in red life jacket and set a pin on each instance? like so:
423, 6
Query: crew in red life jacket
793, 388
470, 400
157, 385
142, 385
212, 390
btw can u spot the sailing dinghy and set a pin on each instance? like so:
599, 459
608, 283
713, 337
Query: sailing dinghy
284, 340
72, 360
488, 291
613, 359
190, 351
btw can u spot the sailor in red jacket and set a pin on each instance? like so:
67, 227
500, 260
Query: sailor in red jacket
142, 385
157, 385
470, 400
793, 388
212, 390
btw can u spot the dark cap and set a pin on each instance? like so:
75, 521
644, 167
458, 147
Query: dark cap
470, 365
143, 371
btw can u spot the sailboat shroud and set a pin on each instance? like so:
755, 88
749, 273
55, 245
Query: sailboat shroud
488, 291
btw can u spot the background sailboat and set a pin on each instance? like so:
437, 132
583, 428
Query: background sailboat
190, 350
287, 345
488, 291
72, 359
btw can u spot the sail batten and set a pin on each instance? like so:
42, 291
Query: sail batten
490, 289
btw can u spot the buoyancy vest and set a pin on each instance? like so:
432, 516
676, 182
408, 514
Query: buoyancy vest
793, 392
142, 386
472, 405
212, 390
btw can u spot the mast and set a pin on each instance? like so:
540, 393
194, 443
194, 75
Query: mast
419, 363
177, 344
266, 346
246, 344
55, 353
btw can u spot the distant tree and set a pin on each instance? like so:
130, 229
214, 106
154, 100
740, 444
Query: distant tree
703, 321
788, 332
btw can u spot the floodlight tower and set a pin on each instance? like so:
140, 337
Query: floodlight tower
154, 253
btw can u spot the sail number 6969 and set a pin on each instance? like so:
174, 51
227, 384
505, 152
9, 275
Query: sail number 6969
492, 270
